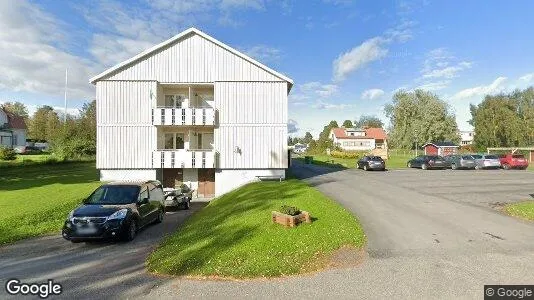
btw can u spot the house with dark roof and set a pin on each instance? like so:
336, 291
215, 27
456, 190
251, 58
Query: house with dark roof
359, 139
440, 148
12, 130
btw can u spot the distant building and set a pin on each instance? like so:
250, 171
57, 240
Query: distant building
440, 148
12, 130
467, 137
361, 139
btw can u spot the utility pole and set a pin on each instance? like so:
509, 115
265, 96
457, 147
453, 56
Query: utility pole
66, 82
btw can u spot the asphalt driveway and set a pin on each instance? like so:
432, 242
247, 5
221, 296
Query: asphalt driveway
431, 234
89, 270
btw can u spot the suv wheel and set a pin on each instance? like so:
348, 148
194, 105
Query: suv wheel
506, 166
454, 167
365, 167
477, 167
424, 167
186, 204
131, 232
409, 165
161, 214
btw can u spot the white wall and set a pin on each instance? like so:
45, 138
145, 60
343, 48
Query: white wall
191, 178
19, 137
125, 175
253, 118
126, 137
227, 180
356, 146
193, 59
3, 117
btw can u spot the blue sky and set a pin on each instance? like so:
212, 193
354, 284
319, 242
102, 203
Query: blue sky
347, 58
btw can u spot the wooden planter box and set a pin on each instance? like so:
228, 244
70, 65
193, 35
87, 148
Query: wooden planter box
290, 221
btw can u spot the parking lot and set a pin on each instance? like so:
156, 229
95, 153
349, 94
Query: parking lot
486, 188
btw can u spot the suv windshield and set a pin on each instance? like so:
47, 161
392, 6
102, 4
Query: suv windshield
491, 157
476, 156
518, 156
375, 158
467, 157
114, 194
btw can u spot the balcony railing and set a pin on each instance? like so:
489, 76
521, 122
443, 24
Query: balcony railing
183, 116
171, 159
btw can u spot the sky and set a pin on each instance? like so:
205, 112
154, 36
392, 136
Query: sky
347, 58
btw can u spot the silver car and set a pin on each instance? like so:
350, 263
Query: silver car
486, 161
460, 162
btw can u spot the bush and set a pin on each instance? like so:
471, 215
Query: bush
347, 154
7, 154
289, 210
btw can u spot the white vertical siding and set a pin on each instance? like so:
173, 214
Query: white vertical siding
125, 135
253, 118
194, 59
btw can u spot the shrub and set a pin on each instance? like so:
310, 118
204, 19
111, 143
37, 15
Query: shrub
7, 154
289, 210
347, 154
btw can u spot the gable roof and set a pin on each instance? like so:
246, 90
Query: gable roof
177, 37
442, 144
370, 133
14, 121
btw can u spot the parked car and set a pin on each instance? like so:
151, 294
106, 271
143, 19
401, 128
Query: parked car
486, 161
180, 197
426, 162
460, 162
116, 211
371, 163
513, 161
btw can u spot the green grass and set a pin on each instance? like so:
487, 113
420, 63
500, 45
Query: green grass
39, 159
36, 199
234, 236
397, 160
524, 210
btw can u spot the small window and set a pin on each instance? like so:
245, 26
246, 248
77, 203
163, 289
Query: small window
169, 140
143, 194
179, 141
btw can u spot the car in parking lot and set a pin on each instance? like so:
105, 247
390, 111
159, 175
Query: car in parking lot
427, 162
513, 161
486, 161
460, 161
369, 162
180, 197
116, 211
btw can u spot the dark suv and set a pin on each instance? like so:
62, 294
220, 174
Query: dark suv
116, 211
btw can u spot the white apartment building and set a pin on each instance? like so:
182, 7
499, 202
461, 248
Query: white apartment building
192, 110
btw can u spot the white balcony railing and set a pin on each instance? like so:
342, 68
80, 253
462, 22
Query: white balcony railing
183, 116
172, 159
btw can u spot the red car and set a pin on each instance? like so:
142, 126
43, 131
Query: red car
513, 161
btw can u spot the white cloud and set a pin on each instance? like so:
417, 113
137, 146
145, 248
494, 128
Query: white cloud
306, 92
359, 56
320, 104
30, 59
263, 53
479, 91
439, 63
292, 126
372, 94
527, 77
435, 85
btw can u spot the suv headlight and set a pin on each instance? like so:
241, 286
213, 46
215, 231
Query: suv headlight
119, 214
71, 215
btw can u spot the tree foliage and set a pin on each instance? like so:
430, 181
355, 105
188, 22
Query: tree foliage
16, 108
369, 121
504, 120
38, 123
421, 116
347, 124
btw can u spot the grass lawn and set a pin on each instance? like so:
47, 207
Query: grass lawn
397, 160
233, 236
36, 199
524, 210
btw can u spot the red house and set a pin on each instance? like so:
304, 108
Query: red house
440, 148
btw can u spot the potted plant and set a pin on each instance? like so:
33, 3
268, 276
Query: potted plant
290, 216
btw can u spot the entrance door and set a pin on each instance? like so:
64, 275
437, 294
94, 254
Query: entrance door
206, 182
172, 178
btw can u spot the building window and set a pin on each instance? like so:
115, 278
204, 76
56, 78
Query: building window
179, 140
169, 137
174, 141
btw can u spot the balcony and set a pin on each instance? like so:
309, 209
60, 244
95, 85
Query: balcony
183, 116
171, 159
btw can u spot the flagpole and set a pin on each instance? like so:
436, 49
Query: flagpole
66, 82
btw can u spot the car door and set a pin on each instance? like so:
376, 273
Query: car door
418, 162
362, 162
144, 208
156, 199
